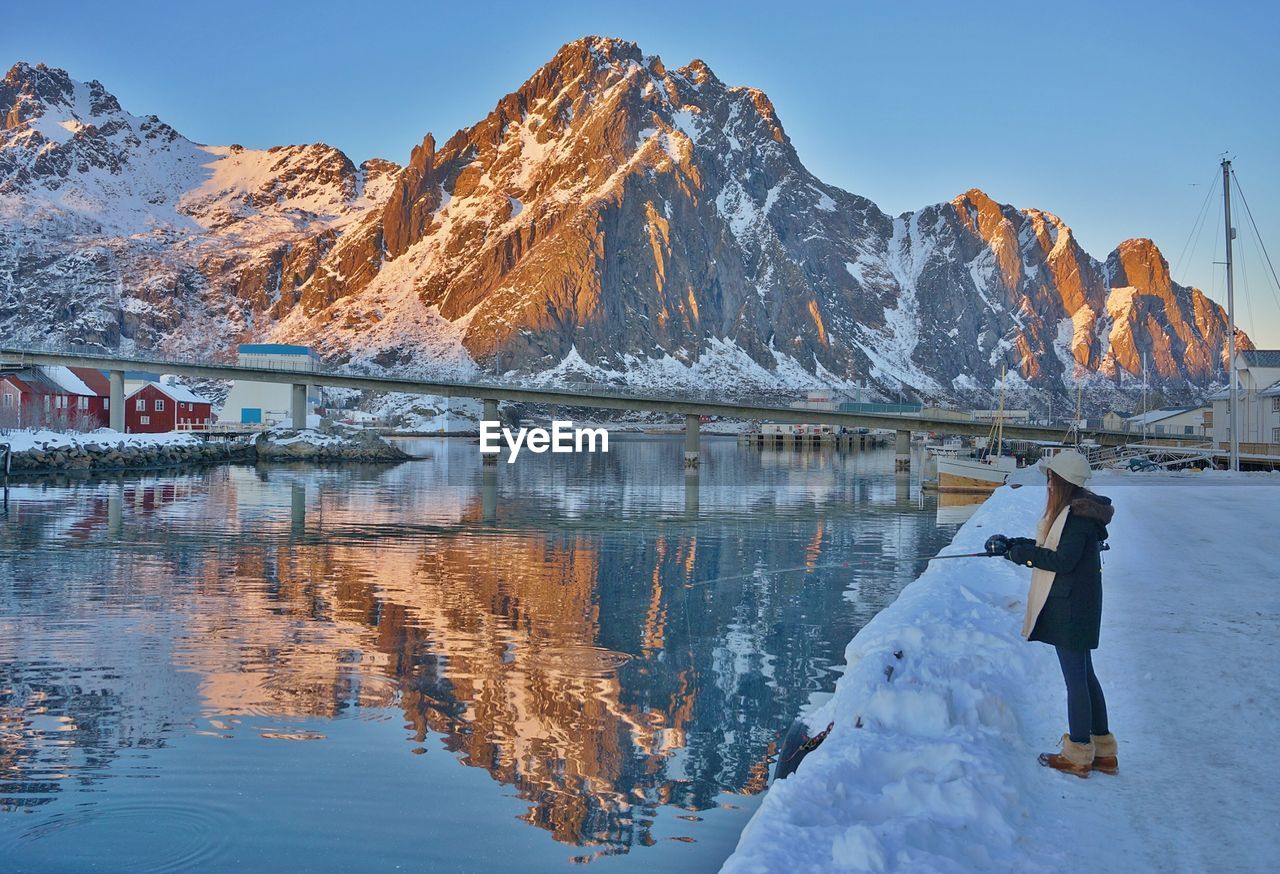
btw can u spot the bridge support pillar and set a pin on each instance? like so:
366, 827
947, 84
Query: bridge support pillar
490, 415
902, 450
691, 491
115, 510
297, 509
298, 411
115, 402
691, 424
489, 490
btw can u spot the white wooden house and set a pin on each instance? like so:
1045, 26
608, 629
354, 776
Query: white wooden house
1258, 386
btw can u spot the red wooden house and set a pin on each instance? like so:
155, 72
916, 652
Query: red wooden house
62, 398
157, 408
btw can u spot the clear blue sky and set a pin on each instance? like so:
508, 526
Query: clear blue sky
1112, 115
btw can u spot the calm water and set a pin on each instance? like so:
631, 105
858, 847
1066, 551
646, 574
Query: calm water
429, 667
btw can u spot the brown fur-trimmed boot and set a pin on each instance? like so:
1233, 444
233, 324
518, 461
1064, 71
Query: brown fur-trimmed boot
1074, 759
1104, 754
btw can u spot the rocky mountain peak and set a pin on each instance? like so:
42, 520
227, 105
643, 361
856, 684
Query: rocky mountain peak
979, 209
1139, 262
599, 51
34, 86
587, 65
697, 72
27, 92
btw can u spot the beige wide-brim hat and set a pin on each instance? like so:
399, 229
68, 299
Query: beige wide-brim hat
1069, 464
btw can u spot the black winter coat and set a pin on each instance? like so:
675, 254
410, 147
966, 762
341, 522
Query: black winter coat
1072, 613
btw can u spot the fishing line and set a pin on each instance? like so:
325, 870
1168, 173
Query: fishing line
834, 565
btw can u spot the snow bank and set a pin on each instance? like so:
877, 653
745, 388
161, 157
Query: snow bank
938, 719
28, 439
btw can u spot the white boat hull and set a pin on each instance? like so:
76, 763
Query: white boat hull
973, 475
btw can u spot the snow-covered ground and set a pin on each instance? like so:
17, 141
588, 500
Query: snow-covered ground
942, 773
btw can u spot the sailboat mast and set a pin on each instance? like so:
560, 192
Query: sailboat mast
1076, 425
1000, 416
1232, 400
1144, 397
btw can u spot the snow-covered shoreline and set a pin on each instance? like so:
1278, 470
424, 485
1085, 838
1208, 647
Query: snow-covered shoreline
24, 440
943, 707
40, 451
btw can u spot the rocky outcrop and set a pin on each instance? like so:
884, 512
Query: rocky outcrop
1184, 332
311, 445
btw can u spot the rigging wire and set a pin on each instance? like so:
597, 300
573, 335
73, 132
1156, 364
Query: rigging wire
1275, 285
1213, 286
1197, 227
1244, 278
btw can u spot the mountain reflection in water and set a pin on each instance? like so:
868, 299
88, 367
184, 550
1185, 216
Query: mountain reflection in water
621, 657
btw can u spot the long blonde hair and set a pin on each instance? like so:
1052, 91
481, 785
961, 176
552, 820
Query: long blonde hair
1061, 494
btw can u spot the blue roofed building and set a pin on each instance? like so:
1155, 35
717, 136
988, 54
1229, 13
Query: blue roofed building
266, 404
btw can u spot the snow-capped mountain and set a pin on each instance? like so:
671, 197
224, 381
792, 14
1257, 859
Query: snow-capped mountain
115, 229
612, 218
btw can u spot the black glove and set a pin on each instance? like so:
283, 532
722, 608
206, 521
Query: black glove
1021, 541
997, 544
1018, 552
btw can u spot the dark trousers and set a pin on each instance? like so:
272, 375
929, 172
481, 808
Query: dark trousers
1086, 708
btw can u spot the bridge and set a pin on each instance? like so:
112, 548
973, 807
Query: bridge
691, 405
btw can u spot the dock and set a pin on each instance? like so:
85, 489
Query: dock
826, 440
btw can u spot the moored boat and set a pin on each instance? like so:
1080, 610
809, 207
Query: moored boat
979, 474
974, 475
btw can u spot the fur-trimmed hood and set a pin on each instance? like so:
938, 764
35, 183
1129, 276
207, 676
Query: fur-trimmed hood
1090, 505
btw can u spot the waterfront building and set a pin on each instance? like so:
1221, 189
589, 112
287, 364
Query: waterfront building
1113, 420
63, 398
1169, 422
268, 403
160, 407
1258, 384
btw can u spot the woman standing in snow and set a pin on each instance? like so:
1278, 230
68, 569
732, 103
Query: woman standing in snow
1064, 605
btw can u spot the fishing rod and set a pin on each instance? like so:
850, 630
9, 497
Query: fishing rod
1102, 547
960, 555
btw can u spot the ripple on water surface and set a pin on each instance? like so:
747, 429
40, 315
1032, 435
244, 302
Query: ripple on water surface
128, 836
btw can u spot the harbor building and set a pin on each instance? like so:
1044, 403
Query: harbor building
267, 404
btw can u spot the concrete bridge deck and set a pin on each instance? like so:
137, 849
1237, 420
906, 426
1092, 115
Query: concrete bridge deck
692, 405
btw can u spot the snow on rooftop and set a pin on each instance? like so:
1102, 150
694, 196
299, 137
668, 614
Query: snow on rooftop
1158, 415
67, 381
175, 391
180, 392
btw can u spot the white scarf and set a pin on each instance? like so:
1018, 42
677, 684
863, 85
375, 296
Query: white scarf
1042, 580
